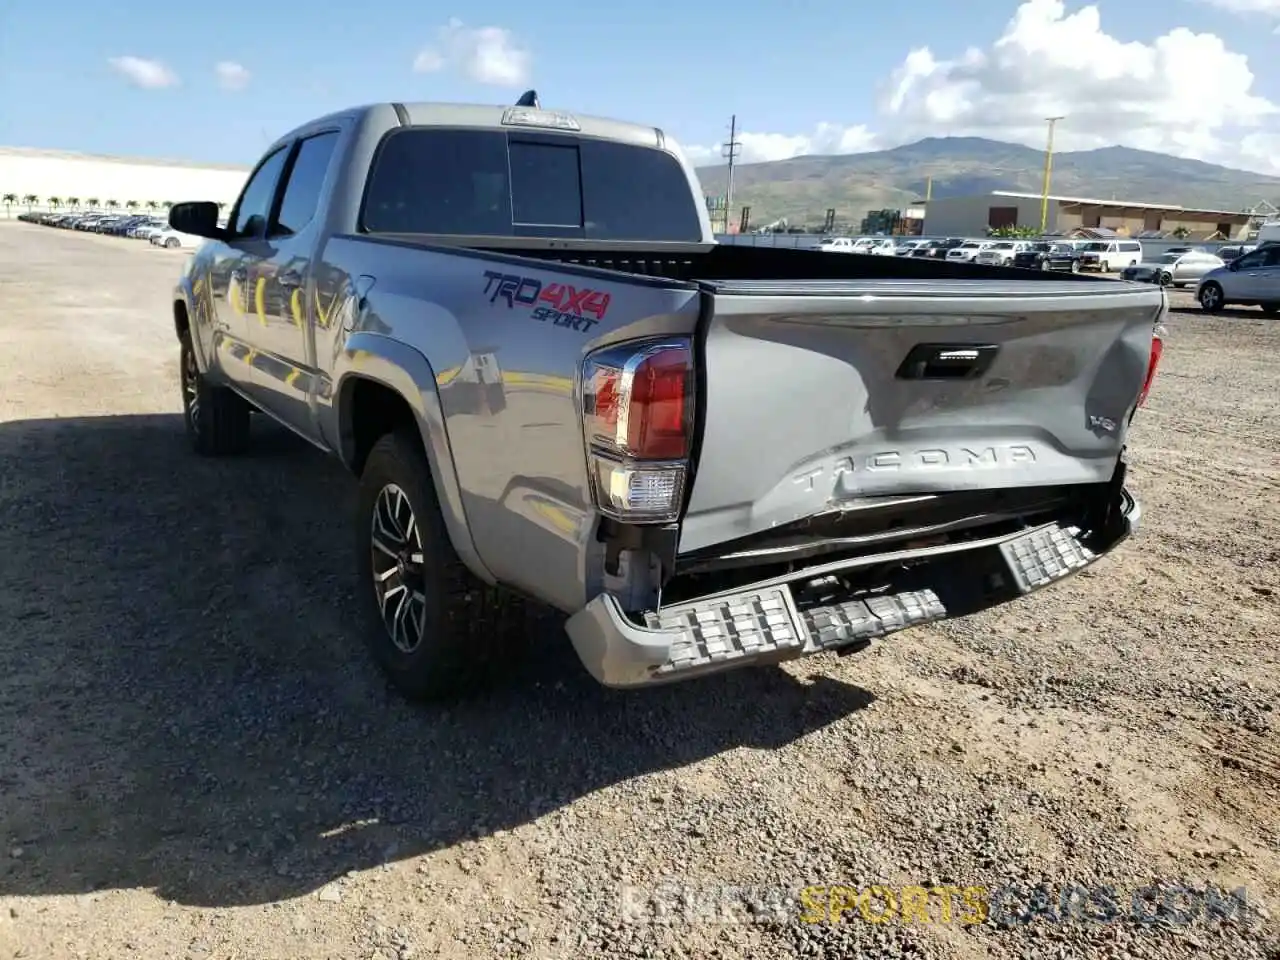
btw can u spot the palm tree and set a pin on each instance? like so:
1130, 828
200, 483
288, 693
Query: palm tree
9, 199
73, 202
152, 205
55, 203
30, 200
112, 204
93, 203
131, 205
1181, 233
167, 204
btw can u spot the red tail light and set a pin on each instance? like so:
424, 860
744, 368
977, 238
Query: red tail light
638, 401
637, 404
1157, 351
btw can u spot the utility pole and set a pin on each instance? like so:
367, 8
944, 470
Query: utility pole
730, 150
1048, 172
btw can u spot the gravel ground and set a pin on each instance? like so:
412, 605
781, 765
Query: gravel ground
198, 760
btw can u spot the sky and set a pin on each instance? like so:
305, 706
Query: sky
214, 83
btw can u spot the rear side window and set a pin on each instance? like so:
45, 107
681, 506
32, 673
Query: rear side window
491, 183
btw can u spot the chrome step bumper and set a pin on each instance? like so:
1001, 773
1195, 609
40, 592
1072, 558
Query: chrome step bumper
762, 625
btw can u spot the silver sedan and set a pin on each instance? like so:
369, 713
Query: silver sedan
1178, 269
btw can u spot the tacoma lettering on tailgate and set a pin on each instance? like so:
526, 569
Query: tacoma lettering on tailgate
929, 458
565, 305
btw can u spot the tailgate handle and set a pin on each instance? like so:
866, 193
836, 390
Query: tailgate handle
947, 361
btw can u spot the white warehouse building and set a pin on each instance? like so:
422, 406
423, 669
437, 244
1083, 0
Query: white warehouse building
46, 174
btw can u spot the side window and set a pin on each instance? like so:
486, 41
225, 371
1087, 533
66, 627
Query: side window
305, 180
254, 205
1271, 256
1251, 261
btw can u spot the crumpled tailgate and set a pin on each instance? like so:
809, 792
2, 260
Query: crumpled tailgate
822, 393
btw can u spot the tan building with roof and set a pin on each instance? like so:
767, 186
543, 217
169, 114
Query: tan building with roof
971, 216
54, 173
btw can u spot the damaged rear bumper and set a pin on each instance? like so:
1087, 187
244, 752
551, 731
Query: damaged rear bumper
762, 624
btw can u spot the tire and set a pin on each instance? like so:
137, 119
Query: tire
216, 418
170, 243
1075, 266
1166, 279
1210, 298
1104, 266
1044, 265
441, 644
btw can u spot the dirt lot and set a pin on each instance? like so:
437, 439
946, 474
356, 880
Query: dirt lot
197, 759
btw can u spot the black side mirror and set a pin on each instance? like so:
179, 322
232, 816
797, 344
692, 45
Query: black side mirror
198, 218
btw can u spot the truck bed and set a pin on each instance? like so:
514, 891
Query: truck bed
727, 263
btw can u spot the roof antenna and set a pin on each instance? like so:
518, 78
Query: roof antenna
529, 99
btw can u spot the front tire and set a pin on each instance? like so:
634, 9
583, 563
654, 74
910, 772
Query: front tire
1211, 300
170, 243
217, 419
431, 625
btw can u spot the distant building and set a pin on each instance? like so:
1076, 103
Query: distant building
54, 173
892, 222
972, 216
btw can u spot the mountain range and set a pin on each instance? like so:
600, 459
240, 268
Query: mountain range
803, 188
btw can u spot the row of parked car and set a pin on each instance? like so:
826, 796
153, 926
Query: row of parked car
136, 226
1233, 275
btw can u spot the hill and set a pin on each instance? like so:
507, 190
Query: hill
802, 188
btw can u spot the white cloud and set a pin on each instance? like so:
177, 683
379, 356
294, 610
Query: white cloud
232, 75
759, 147
1182, 92
1268, 8
147, 74
484, 54
1271, 7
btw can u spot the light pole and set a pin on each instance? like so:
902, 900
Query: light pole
1048, 172
730, 150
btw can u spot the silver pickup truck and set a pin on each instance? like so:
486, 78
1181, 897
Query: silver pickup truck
515, 327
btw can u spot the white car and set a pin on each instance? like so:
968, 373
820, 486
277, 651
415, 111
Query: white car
876, 246
835, 245
1107, 255
1251, 280
1177, 268
968, 250
903, 248
1000, 253
172, 239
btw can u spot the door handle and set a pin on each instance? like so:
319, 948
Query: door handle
290, 279
947, 361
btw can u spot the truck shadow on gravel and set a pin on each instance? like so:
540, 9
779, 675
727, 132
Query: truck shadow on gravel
186, 705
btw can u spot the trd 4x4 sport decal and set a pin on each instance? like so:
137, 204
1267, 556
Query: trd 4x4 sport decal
562, 305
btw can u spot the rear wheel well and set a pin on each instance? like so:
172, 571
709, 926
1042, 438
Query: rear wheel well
370, 411
181, 323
